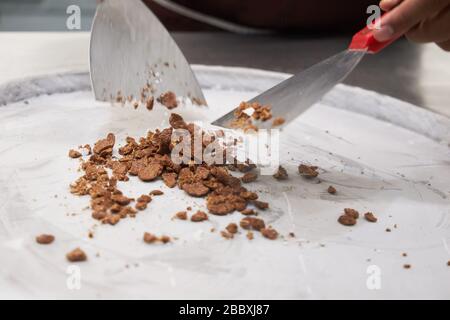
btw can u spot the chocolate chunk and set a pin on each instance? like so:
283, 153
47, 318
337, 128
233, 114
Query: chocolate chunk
76, 255
199, 216
249, 177
182, 215
74, 154
308, 171
351, 212
281, 174
232, 228
269, 233
170, 179
45, 239
347, 220
331, 190
150, 172
369, 216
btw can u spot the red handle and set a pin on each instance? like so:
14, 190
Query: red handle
365, 40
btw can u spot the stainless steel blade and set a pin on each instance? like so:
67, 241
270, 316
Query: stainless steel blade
130, 48
295, 95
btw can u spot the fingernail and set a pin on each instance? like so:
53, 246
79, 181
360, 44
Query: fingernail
384, 34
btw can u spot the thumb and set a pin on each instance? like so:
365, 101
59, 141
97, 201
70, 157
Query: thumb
406, 15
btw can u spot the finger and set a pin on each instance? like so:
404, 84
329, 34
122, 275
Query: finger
388, 5
405, 16
444, 45
433, 29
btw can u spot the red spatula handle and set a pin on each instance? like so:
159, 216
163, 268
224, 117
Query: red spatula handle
365, 40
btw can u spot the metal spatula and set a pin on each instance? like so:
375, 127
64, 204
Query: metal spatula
131, 50
295, 95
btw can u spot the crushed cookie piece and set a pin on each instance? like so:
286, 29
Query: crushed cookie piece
144, 198
281, 174
104, 147
141, 206
99, 215
308, 171
351, 212
182, 215
196, 189
232, 228
250, 235
74, 154
165, 239
170, 179
227, 235
278, 122
249, 177
269, 233
76, 255
248, 212
407, 266
150, 238
149, 103
156, 193
448, 263
291, 234
45, 238
331, 190
121, 199
388, 230
347, 220
112, 219
150, 172
168, 99
404, 254
199, 216
369, 216
249, 223
261, 204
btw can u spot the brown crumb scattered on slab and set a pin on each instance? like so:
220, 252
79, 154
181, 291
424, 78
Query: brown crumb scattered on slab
182, 215
347, 220
76, 255
308, 171
74, 154
199, 216
250, 235
331, 190
156, 193
448, 263
269, 233
248, 212
251, 223
369, 216
388, 230
281, 174
351, 212
232, 228
407, 266
261, 204
249, 177
45, 238
227, 235
404, 254
151, 238
278, 121
168, 99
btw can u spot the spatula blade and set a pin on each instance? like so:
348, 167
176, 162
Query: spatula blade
130, 48
295, 95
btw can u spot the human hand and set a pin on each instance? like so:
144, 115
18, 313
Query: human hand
420, 20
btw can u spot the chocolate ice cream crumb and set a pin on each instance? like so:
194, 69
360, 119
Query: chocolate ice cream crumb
261, 204
281, 174
232, 228
331, 190
248, 212
144, 198
308, 171
278, 122
150, 172
76, 255
351, 212
226, 235
45, 239
249, 223
199, 216
182, 215
249, 177
149, 103
169, 100
170, 179
370, 217
347, 220
156, 193
150, 238
74, 154
269, 233
141, 206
